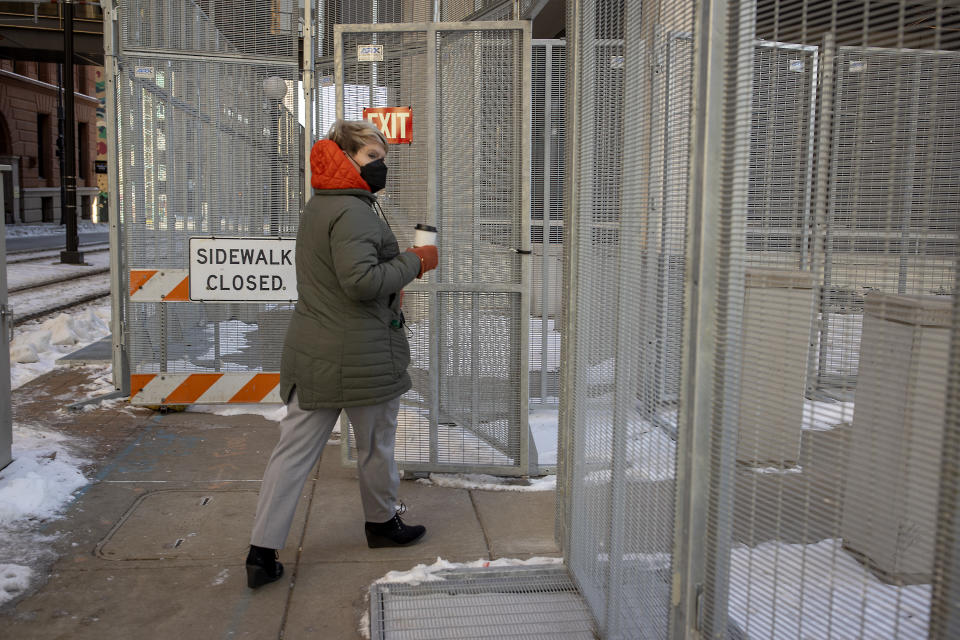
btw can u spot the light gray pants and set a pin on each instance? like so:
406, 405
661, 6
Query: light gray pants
303, 434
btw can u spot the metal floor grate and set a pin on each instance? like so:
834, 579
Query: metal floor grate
516, 602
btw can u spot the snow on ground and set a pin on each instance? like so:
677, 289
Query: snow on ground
536, 345
52, 229
820, 591
489, 483
544, 426
38, 344
431, 573
34, 488
31, 301
232, 338
273, 412
824, 416
30, 274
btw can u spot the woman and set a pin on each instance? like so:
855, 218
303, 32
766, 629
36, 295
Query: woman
345, 347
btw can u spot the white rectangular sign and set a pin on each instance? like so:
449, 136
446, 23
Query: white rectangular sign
243, 269
370, 53
144, 72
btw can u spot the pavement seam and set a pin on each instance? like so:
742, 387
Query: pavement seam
296, 563
483, 529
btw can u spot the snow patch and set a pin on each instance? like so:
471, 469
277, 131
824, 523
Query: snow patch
825, 416
544, 426
777, 470
14, 580
819, 591
603, 373
42, 477
489, 483
52, 229
37, 346
35, 487
429, 573
221, 577
272, 412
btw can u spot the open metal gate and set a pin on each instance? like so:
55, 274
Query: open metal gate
466, 171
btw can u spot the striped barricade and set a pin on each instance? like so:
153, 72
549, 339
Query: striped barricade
204, 388
159, 285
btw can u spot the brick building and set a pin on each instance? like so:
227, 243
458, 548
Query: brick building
28, 140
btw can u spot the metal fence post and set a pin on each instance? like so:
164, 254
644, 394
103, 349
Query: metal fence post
528, 455
308, 91
945, 601
6, 330
568, 321
118, 271
703, 476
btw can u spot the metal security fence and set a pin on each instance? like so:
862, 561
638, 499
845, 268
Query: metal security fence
466, 171
757, 411
546, 211
255, 29
624, 227
208, 143
895, 112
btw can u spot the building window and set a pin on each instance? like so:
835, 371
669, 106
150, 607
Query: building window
83, 151
43, 145
47, 72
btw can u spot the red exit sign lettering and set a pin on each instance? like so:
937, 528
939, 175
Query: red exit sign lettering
396, 123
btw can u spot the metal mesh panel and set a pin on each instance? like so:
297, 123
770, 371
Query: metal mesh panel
455, 10
479, 182
333, 12
191, 338
261, 29
627, 240
891, 235
529, 602
400, 80
781, 155
204, 150
546, 210
468, 330
824, 504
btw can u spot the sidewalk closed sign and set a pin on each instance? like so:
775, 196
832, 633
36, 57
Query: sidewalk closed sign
242, 270
396, 123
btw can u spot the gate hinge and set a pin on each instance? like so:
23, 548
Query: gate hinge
698, 614
6, 316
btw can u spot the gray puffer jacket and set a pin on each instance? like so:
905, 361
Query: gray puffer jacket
345, 346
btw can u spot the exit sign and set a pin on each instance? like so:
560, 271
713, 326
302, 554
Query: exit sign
396, 123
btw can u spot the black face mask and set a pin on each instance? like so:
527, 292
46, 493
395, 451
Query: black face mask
375, 174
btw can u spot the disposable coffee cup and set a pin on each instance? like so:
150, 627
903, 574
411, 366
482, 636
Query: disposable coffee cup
424, 234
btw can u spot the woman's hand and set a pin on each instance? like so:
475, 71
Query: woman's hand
429, 257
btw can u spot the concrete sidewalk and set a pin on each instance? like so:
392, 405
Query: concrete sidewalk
154, 547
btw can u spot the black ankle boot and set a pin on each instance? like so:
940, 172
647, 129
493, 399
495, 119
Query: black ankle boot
393, 532
262, 566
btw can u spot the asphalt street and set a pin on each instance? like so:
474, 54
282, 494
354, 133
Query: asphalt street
36, 243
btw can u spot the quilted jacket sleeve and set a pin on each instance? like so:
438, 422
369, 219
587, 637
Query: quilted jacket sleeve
355, 244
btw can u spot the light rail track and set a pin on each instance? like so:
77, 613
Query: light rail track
47, 283
33, 255
43, 299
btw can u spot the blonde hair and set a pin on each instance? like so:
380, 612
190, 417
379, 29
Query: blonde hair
352, 135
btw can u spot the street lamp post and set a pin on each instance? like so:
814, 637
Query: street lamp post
72, 254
